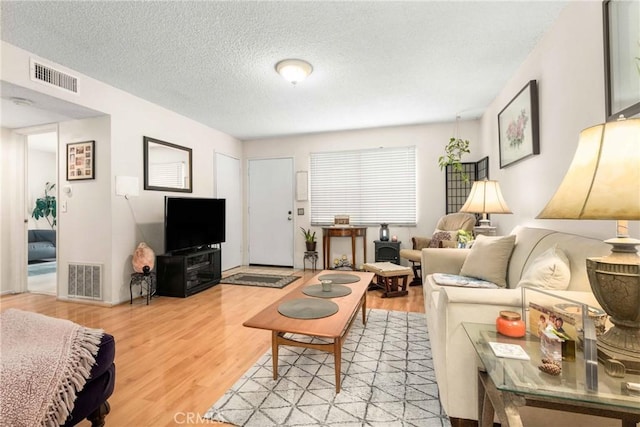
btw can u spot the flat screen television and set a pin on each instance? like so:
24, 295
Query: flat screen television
192, 222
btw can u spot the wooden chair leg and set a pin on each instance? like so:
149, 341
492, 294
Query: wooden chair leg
97, 417
417, 274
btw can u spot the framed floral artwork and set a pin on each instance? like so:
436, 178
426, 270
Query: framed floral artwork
518, 127
81, 160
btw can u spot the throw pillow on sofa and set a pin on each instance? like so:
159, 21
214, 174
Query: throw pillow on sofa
438, 237
488, 259
550, 270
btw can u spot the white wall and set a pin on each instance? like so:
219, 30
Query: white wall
568, 65
429, 140
122, 225
41, 169
85, 229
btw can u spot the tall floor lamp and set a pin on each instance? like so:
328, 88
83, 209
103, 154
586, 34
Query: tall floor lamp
603, 182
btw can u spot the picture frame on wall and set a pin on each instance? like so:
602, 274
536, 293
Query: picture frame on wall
518, 134
81, 160
621, 58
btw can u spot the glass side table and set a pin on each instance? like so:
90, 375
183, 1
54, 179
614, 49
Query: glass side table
505, 384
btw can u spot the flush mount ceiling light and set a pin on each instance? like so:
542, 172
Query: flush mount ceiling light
21, 101
294, 70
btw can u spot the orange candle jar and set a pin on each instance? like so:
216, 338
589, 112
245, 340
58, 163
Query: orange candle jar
510, 324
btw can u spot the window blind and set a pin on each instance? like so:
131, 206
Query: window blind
168, 174
371, 186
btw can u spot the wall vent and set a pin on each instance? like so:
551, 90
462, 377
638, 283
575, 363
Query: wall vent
50, 76
85, 281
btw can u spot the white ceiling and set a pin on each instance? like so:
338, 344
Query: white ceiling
376, 63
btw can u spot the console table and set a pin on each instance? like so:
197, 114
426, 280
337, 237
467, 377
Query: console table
506, 384
353, 232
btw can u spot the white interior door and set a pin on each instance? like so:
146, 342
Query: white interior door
229, 187
271, 212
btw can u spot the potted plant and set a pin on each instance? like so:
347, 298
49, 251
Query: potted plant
46, 206
454, 151
309, 239
464, 237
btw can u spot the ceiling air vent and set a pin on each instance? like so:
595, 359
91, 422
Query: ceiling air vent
48, 75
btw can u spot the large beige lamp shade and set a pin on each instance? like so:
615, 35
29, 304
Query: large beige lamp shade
485, 197
603, 182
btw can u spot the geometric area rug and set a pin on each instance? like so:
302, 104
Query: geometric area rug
387, 379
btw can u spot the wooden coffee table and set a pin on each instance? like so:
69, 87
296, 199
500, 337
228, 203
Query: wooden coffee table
334, 327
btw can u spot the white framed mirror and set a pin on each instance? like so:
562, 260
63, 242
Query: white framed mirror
167, 166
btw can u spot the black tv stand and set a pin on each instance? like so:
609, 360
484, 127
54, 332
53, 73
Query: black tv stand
181, 274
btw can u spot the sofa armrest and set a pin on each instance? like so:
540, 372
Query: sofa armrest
504, 297
453, 354
485, 297
443, 260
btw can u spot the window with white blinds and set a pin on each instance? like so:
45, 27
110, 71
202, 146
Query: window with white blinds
371, 186
169, 174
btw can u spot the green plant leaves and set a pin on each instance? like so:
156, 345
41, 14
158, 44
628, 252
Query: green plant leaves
454, 151
46, 206
308, 235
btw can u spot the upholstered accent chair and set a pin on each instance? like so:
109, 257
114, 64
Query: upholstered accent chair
444, 236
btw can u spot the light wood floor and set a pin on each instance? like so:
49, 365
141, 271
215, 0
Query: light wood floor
176, 357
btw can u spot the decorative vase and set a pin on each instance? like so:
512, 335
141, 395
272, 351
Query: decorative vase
384, 232
311, 246
510, 324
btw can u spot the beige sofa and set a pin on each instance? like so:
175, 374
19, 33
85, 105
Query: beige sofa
447, 307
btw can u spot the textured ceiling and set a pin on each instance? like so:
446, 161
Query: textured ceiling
376, 63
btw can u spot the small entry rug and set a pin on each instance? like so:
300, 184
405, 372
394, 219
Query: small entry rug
264, 280
39, 268
387, 379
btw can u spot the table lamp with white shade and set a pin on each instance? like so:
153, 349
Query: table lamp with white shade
485, 197
603, 182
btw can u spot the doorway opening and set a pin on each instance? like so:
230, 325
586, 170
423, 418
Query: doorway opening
41, 198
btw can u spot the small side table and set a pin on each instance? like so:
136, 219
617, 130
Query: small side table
348, 231
505, 385
146, 281
312, 257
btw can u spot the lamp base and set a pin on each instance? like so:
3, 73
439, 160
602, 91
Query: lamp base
484, 222
612, 344
486, 230
615, 282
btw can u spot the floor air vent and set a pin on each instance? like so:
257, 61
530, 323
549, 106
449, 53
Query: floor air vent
45, 74
85, 281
